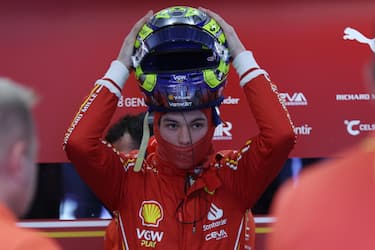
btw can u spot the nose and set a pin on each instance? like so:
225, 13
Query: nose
184, 136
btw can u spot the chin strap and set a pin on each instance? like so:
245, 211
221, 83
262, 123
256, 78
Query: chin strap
144, 143
216, 116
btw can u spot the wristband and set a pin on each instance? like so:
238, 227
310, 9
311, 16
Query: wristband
251, 75
110, 85
247, 68
118, 73
115, 78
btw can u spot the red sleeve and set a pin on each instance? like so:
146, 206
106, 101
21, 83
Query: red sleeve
263, 156
112, 239
98, 164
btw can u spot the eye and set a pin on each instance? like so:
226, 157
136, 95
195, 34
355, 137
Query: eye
197, 125
171, 125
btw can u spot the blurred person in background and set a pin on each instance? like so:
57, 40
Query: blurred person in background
18, 173
126, 134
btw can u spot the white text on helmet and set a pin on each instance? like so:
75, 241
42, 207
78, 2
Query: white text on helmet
179, 78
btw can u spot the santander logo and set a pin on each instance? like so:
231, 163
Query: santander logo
215, 213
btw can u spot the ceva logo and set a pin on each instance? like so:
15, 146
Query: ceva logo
296, 99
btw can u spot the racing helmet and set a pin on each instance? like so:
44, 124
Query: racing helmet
181, 60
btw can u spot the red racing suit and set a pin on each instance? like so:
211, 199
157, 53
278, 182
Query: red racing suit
157, 209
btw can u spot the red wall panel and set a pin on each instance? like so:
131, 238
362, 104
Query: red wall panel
61, 47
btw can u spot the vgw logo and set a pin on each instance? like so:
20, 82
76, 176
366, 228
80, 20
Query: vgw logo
296, 99
149, 238
355, 127
222, 132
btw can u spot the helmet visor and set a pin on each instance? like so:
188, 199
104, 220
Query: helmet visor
174, 61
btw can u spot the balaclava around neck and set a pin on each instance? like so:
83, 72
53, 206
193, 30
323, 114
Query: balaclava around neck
177, 159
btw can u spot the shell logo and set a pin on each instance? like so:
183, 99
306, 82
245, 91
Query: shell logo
151, 213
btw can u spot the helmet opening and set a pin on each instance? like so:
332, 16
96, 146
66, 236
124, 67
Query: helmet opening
184, 46
174, 61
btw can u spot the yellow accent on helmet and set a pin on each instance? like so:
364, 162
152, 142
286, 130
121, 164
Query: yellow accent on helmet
191, 12
214, 28
211, 77
143, 33
149, 82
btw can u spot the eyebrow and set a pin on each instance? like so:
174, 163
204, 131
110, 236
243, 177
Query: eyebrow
199, 119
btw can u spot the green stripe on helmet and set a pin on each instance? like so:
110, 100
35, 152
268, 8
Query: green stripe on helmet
221, 38
191, 12
150, 79
163, 15
143, 33
211, 77
212, 27
223, 67
150, 82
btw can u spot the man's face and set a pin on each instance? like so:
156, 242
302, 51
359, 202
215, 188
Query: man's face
125, 144
29, 180
183, 128
19, 176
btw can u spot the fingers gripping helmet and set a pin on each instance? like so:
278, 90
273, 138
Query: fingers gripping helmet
181, 60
